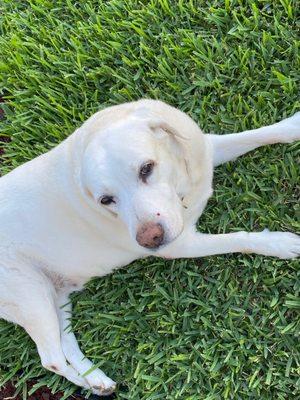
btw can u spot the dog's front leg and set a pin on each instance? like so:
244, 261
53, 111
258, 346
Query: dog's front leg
194, 244
229, 147
98, 381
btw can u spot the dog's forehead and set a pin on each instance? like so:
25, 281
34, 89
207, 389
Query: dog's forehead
129, 128
129, 142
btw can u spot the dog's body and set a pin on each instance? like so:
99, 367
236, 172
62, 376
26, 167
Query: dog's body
131, 182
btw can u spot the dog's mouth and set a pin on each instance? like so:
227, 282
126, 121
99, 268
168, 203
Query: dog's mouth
155, 248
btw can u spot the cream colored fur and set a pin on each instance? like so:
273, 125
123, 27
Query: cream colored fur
55, 234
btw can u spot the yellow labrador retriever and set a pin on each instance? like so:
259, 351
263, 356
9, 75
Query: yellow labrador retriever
130, 182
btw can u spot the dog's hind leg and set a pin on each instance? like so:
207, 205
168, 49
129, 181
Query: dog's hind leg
229, 147
28, 298
96, 378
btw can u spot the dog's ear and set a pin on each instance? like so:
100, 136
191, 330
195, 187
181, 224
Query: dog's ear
160, 124
188, 143
188, 151
163, 129
156, 123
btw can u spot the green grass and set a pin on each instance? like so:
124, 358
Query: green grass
222, 327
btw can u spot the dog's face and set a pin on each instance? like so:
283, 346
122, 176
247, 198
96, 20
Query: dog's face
135, 171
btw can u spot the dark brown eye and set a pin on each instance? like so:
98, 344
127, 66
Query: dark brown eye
146, 170
106, 200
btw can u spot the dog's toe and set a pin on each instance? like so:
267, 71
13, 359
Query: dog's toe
291, 127
104, 391
100, 384
284, 245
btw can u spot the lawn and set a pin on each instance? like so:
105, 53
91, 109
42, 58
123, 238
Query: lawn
223, 327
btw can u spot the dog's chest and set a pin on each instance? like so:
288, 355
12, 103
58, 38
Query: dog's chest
80, 261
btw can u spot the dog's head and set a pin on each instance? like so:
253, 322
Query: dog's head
136, 170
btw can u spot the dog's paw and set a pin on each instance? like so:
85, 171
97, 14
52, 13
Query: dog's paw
290, 129
284, 245
100, 384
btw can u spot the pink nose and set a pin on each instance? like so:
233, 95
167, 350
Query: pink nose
150, 235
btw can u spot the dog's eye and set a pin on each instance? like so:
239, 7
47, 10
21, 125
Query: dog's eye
146, 170
107, 200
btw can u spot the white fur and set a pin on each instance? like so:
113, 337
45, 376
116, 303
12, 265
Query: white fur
55, 235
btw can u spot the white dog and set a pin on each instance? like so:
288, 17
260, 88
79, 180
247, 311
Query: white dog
130, 182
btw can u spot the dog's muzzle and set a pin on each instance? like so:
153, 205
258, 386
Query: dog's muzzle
150, 235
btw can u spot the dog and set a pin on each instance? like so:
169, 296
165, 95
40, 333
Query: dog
131, 182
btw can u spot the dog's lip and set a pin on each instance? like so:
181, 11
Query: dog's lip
154, 249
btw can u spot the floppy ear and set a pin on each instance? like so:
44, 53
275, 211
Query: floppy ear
179, 141
154, 121
158, 123
188, 149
